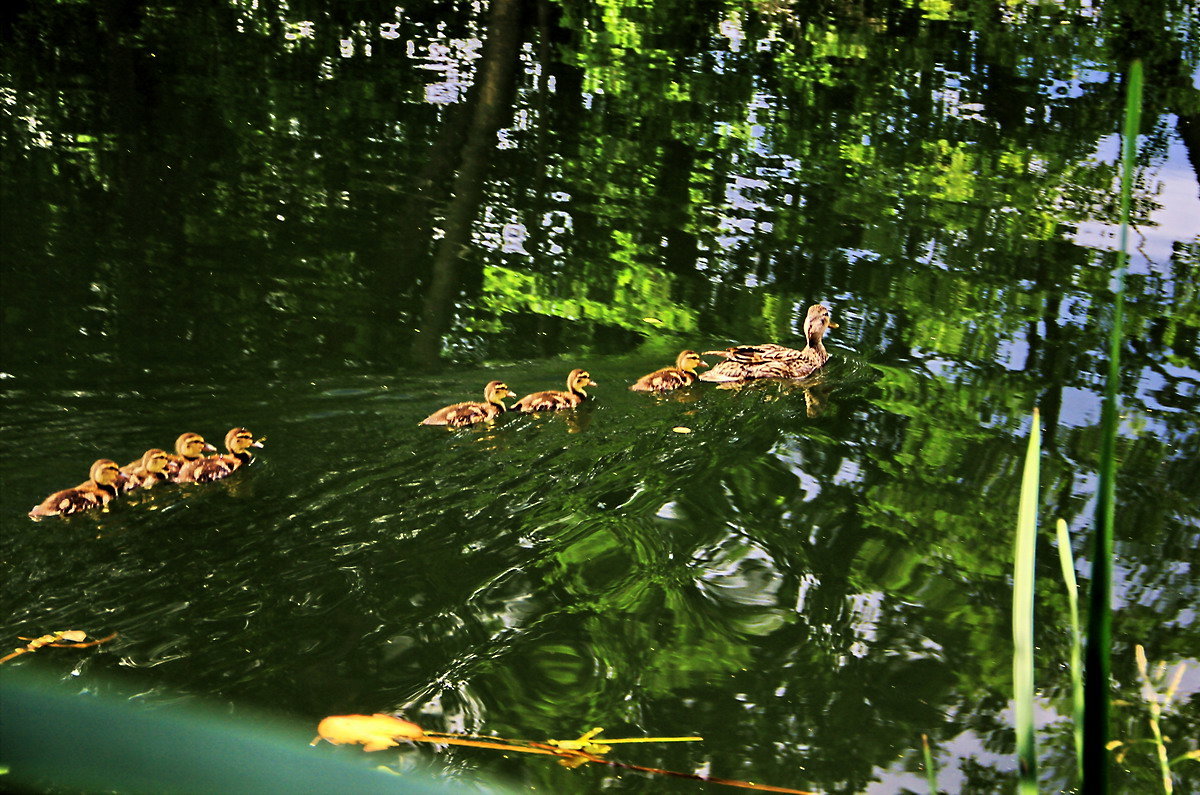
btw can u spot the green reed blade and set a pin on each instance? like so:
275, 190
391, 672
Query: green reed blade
1024, 557
1068, 573
1099, 632
930, 770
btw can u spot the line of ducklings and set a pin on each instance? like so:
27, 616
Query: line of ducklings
740, 363
194, 461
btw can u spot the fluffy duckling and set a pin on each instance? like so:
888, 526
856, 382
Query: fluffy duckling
148, 470
470, 413
188, 447
553, 400
205, 470
744, 362
669, 378
96, 492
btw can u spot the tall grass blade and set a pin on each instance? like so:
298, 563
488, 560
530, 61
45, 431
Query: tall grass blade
930, 770
1099, 632
1024, 557
1068, 573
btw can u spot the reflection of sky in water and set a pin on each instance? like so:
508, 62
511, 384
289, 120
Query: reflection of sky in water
741, 572
1171, 184
452, 58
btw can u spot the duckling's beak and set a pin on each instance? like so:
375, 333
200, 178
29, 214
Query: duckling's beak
703, 363
208, 448
258, 443
832, 324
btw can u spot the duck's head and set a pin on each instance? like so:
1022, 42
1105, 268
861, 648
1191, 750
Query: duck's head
689, 361
105, 472
155, 460
496, 391
239, 440
578, 379
192, 445
818, 320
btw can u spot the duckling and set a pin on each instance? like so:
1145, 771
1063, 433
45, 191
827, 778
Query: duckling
145, 472
669, 378
204, 470
743, 362
96, 492
470, 413
553, 400
188, 447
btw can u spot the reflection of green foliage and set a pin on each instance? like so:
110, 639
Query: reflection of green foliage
736, 161
639, 292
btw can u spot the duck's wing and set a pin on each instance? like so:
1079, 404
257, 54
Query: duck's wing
729, 370
547, 401
734, 370
663, 380
206, 470
770, 352
460, 414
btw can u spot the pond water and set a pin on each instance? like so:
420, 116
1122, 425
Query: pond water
324, 221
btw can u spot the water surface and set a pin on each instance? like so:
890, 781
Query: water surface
323, 224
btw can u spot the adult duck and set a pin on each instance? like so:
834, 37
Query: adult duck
555, 400
671, 378
96, 492
745, 362
460, 415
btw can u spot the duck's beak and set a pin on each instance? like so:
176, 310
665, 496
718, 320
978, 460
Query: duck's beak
722, 354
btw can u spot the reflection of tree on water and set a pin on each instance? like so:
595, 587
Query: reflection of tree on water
492, 97
690, 554
671, 176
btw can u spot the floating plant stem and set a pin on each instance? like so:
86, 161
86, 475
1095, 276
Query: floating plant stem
1151, 696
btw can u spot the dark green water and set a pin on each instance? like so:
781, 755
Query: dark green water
303, 220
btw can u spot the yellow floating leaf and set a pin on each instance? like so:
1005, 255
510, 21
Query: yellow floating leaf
373, 732
681, 429
74, 635
653, 321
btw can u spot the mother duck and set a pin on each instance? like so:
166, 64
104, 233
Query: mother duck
746, 362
